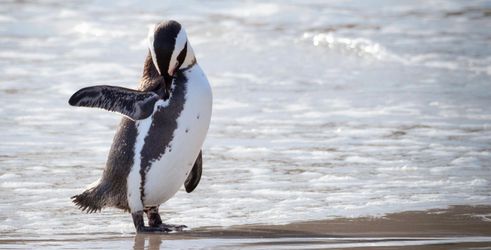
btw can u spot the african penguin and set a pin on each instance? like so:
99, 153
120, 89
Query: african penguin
157, 146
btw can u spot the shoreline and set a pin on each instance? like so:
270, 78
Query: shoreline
456, 220
454, 228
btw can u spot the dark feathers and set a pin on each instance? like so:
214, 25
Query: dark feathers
195, 176
134, 104
90, 201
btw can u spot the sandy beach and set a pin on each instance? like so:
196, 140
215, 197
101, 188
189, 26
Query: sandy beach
459, 227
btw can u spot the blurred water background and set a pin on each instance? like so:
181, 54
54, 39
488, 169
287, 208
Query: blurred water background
322, 109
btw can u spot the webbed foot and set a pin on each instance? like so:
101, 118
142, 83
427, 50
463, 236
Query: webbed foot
163, 228
152, 230
155, 223
173, 228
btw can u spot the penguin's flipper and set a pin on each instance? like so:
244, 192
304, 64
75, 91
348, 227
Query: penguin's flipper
135, 104
195, 176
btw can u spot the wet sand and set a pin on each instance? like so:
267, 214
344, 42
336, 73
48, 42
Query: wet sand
454, 228
459, 227
455, 221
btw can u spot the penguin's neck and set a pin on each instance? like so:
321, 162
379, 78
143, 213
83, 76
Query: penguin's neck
149, 80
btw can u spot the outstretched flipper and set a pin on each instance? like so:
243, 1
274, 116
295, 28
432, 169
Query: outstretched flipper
134, 104
195, 176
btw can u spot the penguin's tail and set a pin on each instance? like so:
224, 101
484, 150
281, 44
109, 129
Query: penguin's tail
91, 200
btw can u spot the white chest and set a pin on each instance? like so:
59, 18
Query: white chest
167, 173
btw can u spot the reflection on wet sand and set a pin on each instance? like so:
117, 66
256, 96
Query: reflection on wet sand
147, 241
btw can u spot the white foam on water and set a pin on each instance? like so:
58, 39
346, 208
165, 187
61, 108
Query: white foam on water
357, 46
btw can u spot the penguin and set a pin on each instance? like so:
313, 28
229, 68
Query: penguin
157, 146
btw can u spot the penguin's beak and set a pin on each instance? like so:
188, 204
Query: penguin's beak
172, 70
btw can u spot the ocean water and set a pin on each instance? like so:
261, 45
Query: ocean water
322, 109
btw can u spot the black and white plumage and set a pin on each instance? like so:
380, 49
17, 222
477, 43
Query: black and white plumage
134, 104
157, 147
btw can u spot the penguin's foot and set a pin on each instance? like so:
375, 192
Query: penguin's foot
172, 227
156, 225
153, 216
141, 228
163, 228
153, 230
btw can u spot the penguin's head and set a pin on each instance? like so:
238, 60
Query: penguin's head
170, 49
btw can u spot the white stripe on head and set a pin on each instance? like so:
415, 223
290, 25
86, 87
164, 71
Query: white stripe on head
151, 39
178, 47
190, 59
